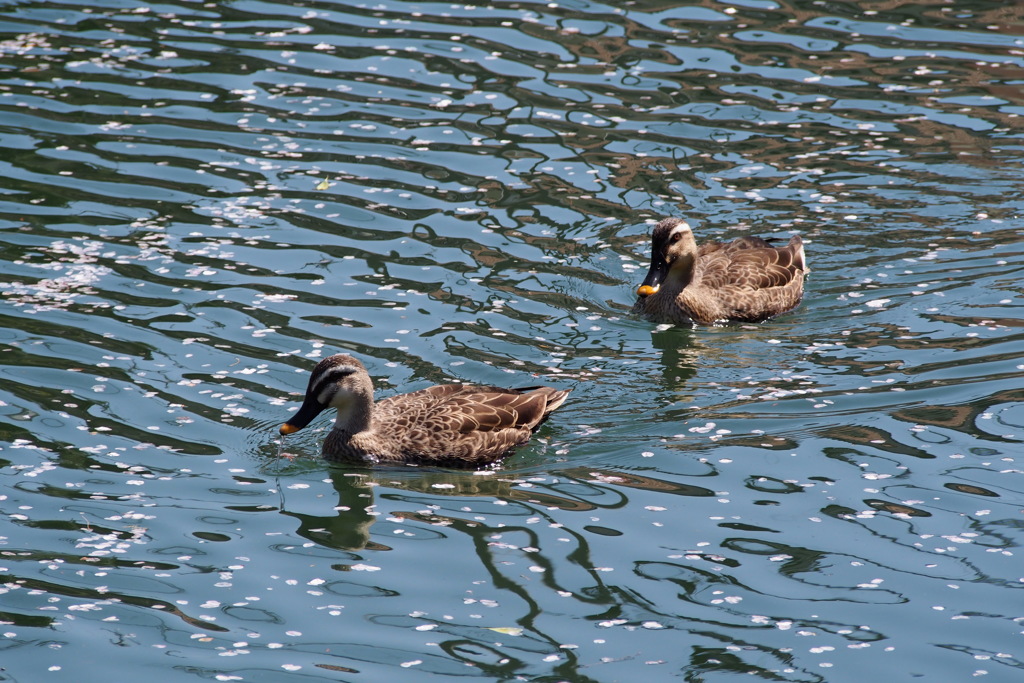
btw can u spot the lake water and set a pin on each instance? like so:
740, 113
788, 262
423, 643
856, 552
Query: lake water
198, 201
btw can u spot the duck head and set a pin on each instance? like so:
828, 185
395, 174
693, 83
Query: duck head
673, 255
340, 382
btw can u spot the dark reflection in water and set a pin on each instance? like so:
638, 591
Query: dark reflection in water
578, 490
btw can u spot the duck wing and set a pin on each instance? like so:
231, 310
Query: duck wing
490, 409
465, 425
753, 266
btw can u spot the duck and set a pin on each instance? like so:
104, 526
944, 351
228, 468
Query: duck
746, 280
447, 425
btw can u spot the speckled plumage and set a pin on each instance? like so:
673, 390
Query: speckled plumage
449, 425
746, 280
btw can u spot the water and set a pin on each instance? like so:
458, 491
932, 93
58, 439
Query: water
199, 201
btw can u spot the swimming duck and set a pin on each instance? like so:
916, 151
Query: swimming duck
449, 425
746, 280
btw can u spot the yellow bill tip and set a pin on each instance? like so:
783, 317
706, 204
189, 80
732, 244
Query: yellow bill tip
287, 429
646, 290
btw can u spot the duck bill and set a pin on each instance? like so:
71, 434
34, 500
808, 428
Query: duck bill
309, 409
655, 276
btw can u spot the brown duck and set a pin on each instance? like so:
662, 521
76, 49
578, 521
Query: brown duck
449, 425
746, 280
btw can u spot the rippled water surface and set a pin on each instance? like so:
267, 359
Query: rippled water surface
200, 200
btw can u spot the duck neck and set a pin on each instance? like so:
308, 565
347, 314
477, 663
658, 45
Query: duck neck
682, 273
355, 413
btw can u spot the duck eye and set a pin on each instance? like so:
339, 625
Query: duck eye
676, 236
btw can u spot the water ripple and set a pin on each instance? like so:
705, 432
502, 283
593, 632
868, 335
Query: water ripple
198, 202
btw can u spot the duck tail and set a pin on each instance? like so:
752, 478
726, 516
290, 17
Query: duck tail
796, 245
555, 399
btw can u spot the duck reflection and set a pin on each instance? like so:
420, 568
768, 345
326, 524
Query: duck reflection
680, 353
576, 489
348, 528
517, 538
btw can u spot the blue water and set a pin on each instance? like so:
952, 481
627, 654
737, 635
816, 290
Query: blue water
198, 201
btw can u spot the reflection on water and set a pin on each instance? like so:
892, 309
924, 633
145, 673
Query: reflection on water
199, 200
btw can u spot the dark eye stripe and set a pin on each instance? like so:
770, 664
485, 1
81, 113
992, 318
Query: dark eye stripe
328, 376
